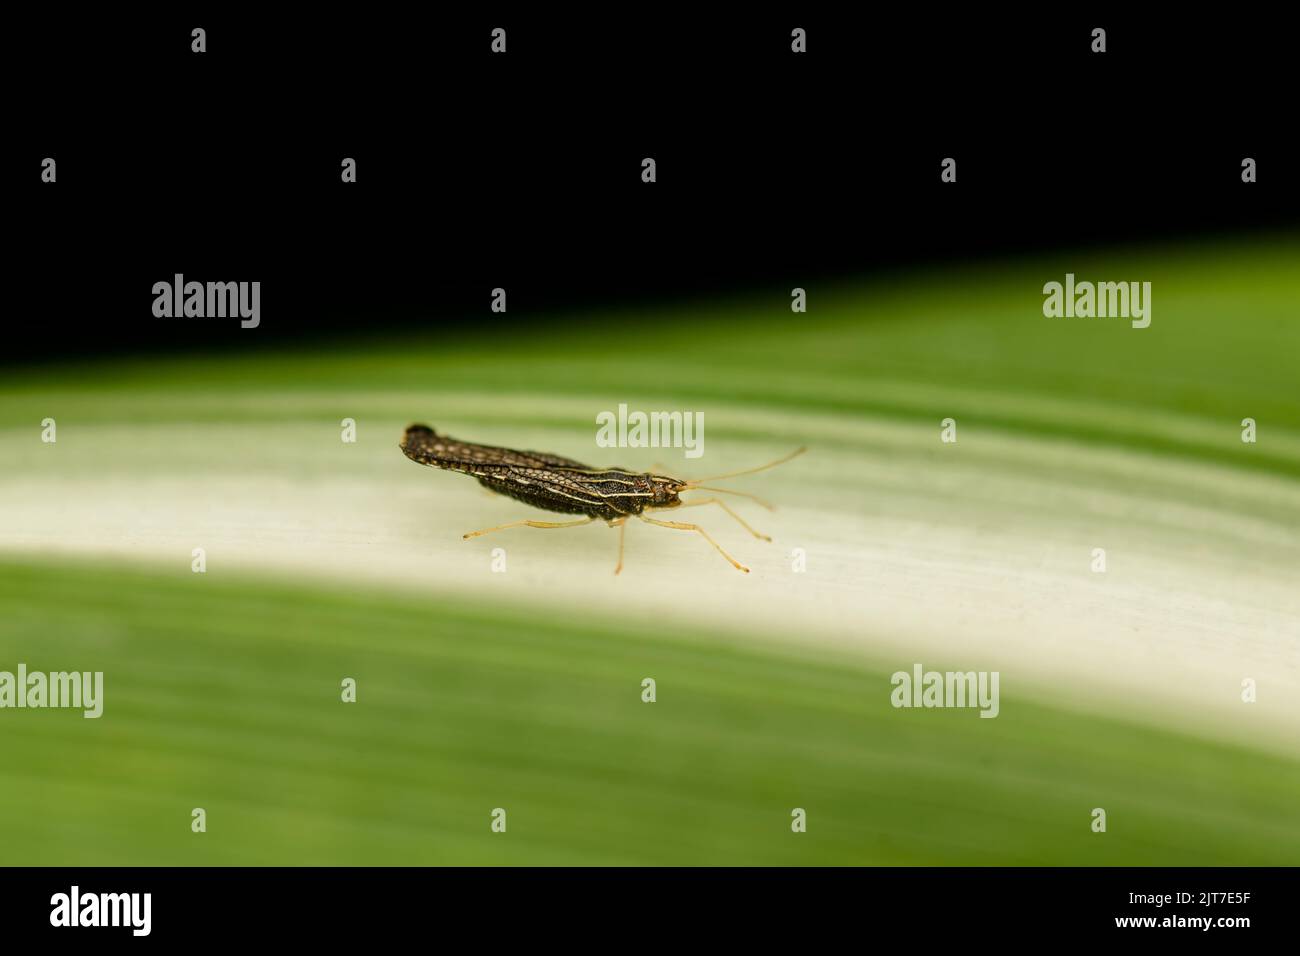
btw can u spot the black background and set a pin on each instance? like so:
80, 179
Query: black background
679, 909
522, 171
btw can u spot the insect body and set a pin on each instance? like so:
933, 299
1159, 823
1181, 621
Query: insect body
553, 483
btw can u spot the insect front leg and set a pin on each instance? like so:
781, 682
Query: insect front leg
683, 526
723, 505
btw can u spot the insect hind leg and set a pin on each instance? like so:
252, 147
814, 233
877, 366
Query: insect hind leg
530, 524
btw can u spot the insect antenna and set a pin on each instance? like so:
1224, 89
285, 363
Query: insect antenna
696, 483
727, 491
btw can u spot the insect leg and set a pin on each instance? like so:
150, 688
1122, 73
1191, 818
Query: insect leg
683, 526
531, 524
621, 524
723, 505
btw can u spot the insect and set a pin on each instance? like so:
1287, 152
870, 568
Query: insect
552, 483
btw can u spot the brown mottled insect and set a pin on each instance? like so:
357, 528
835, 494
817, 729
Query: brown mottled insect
570, 487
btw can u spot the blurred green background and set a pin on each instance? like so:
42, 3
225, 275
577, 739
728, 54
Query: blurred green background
522, 690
